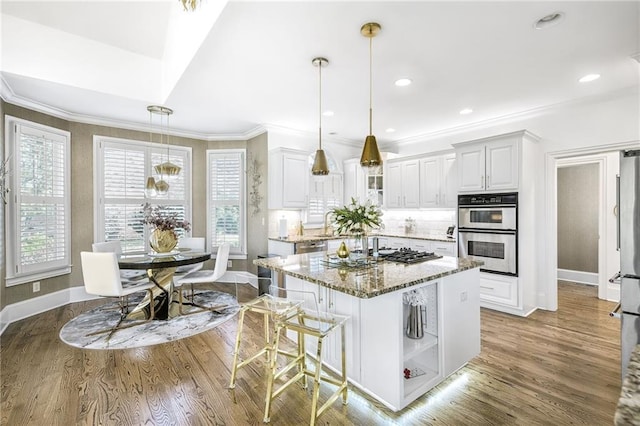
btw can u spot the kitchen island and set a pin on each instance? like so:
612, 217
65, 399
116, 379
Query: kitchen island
379, 353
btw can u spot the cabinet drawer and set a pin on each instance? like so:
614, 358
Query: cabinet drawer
502, 290
443, 249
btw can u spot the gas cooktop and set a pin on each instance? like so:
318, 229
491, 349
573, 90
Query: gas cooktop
407, 255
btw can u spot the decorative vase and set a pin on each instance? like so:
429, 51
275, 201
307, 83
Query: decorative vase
361, 246
343, 251
415, 328
163, 241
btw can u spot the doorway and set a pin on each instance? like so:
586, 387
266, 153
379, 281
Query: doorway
607, 159
579, 221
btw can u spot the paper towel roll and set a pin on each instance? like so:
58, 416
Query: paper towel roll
284, 231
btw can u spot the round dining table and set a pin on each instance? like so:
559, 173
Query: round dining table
160, 269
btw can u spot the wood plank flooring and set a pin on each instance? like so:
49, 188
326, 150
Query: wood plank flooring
552, 368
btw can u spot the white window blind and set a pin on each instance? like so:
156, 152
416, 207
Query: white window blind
122, 171
226, 199
38, 225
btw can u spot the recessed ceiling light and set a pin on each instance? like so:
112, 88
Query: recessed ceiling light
466, 111
390, 130
589, 77
548, 21
328, 113
403, 82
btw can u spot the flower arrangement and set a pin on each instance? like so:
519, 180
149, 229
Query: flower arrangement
161, 218
356, 218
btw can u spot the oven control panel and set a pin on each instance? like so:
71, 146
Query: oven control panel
510, 198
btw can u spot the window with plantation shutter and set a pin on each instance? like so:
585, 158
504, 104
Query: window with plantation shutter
38, 214
122, 169
226, 199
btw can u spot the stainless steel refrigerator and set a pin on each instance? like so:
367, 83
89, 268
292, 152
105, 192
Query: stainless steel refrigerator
629, 246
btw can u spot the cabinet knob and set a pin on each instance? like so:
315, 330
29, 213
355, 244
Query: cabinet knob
488, 181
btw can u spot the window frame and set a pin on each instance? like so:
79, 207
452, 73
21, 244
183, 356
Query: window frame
148, 148
15, 273
243, 252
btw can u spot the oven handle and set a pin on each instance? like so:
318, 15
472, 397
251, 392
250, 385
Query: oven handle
487, 231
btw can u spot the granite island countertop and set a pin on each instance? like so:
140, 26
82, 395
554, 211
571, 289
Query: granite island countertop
628, 410
364, 281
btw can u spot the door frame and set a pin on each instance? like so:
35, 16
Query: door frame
601, 161
550, 260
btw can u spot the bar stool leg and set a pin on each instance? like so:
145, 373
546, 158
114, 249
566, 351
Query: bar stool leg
344, 365
316, 384
267, 337
236, 350
302, 365
270, 376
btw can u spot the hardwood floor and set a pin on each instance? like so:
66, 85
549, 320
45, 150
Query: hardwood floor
552, 368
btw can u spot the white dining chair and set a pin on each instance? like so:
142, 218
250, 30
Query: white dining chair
191, 243
128, 276
204, 277
102, 278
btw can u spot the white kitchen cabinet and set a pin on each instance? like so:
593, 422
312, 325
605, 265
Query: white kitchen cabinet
443, 248
288, 179
355, 185
500, 292
489, 165
438, 181
451, 338
403, 184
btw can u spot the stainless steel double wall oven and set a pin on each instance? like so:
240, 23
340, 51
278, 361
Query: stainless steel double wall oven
488, 231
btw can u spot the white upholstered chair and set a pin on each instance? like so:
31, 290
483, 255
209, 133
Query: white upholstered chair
127, 276
204, 276
102, 278
195, 244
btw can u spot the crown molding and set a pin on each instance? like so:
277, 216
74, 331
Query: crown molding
8, 95
508, 118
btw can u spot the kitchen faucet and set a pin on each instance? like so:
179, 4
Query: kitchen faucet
326, 223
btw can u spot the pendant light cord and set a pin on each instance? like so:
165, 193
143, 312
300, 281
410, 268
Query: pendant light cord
370, 85
320, 106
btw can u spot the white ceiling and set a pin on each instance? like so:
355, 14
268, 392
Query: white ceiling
230, 68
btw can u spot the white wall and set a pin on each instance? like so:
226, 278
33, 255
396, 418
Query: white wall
589, 123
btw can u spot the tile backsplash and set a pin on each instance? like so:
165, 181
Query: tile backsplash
426, 221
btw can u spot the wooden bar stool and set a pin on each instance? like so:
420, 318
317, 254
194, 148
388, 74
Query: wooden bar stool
308, 321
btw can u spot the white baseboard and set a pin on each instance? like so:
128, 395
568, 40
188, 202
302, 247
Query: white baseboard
37, 305
589, 278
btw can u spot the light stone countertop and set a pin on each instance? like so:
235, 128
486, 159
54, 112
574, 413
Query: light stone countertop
628, 410
365, 282
319, 237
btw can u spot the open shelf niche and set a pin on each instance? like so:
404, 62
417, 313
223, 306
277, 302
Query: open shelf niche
421, 356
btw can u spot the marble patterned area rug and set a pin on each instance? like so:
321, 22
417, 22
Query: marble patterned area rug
106, 316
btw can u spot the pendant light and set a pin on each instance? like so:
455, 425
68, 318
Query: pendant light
320, 166
370, 158
167, 168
